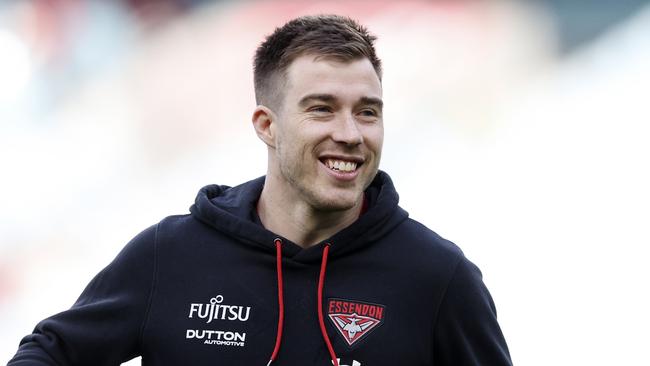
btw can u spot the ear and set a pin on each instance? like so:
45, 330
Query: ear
264, 122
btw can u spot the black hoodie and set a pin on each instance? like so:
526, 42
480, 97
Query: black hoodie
216, 288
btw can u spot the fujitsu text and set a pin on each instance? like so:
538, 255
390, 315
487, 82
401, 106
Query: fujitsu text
215, 310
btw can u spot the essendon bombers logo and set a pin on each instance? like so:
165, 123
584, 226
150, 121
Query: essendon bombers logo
354, 319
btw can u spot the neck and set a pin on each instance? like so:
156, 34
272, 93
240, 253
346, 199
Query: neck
298, 221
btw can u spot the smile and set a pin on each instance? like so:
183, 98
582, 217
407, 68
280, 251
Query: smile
341, 165
341, 168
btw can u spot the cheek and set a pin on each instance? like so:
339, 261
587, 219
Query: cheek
374, 138
289, 148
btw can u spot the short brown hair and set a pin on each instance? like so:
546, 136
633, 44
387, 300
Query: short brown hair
329, 36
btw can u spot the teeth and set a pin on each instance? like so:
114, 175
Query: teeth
340, 165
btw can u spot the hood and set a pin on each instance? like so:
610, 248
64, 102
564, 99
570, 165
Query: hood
232, 210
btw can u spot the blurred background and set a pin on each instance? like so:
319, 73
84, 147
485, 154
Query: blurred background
517, 129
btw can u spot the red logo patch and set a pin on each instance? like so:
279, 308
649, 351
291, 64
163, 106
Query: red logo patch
354, 319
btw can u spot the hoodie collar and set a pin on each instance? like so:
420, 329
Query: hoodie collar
232, 211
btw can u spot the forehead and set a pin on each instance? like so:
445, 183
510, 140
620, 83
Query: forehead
309, 74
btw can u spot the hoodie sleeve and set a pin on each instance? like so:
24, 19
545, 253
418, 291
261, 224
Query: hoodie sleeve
104, 325
466, 331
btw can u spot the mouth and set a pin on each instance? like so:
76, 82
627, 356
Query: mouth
342, 165
342, 168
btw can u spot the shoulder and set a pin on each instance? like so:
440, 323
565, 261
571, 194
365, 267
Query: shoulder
419, 239
184, 235
443, 260
421, 253
179, 226
174, 223
146, 242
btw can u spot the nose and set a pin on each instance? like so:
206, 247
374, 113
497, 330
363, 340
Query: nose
347, 131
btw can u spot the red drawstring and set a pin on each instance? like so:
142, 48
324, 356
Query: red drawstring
321, 322
278, 337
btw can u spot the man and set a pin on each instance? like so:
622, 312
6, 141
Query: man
313, 264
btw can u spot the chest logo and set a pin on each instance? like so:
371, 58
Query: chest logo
354, 319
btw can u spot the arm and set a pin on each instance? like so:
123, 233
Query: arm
466, 330
104, 326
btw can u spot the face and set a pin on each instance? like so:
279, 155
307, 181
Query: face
329, 132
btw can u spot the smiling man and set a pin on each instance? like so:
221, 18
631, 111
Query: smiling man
324, 144
313, 264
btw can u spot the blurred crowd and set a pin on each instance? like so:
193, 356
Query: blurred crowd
517, 129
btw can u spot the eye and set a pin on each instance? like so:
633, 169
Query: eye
369, 112
320, 109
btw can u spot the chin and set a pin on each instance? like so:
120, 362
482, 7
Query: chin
338, 204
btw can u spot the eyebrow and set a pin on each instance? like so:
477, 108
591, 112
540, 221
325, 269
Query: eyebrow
329, 98
372, 101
